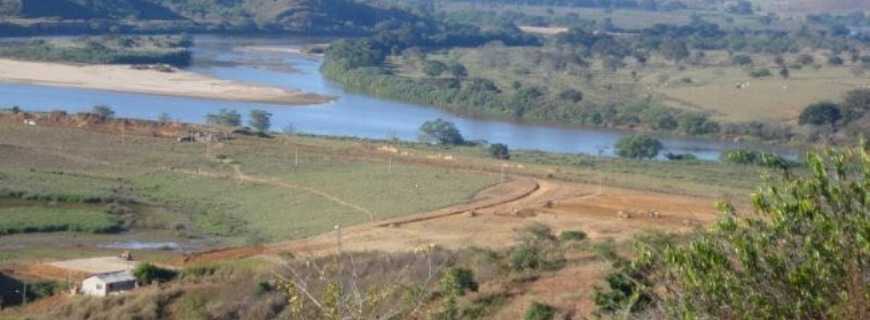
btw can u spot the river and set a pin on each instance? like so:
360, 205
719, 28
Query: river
349, 115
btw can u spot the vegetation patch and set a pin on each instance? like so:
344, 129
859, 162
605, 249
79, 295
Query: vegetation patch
104, 50
45, 219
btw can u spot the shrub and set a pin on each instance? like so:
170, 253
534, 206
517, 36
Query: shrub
806, 59
526, 257
572, 235
262, 288
638, 147
822, 113
457, 281
571, 95
761, 73
147, 273
801, 253
434, 68
681, 157
539, 311
741, 60
697, 124
835, 61
457, 70
499, 151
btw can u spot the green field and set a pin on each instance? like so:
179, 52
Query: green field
44, 219
329, 187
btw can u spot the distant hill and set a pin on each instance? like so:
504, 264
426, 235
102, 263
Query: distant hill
813, 6
86, 9
296, 16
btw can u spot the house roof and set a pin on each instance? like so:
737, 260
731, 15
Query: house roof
115, 277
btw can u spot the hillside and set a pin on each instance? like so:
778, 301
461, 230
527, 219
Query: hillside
813, 6
86, 9
296, 16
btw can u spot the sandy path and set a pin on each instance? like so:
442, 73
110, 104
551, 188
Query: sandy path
122, 78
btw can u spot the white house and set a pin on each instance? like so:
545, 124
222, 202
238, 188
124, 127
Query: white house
105, 284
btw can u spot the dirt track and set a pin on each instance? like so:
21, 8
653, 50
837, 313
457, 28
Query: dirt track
492, 218
493, 223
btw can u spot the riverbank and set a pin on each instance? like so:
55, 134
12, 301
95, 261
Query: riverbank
123, 78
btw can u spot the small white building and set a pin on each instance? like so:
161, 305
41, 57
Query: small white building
105, 284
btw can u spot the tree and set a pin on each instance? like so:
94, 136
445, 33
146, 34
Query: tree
103, 111
260, 120
835, 61
457, 70
224, 117
742, 60
822, 113
743, 7
802, 253
433, 68
675, 50
164, 117
784, 72
441, 131
806, 59
638, 147
856, 104
499, 151
571, 95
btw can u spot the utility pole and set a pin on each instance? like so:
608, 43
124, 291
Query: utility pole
296, 158
390, 164
24, 294
502, 173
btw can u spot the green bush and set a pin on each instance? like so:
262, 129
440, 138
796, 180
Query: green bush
539, 311
572, 235
822, 113
638, 147
457, 281
801, 253
147, 273
761, 73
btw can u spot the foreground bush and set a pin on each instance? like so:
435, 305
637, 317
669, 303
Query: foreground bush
539, 311
803, 254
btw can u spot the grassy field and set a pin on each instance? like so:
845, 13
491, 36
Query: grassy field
44, 219
328, 187
714, 89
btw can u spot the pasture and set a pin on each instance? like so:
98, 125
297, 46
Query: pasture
773, 98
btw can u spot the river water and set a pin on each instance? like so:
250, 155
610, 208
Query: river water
349, 115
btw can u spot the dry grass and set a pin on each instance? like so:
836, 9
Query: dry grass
714, 89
